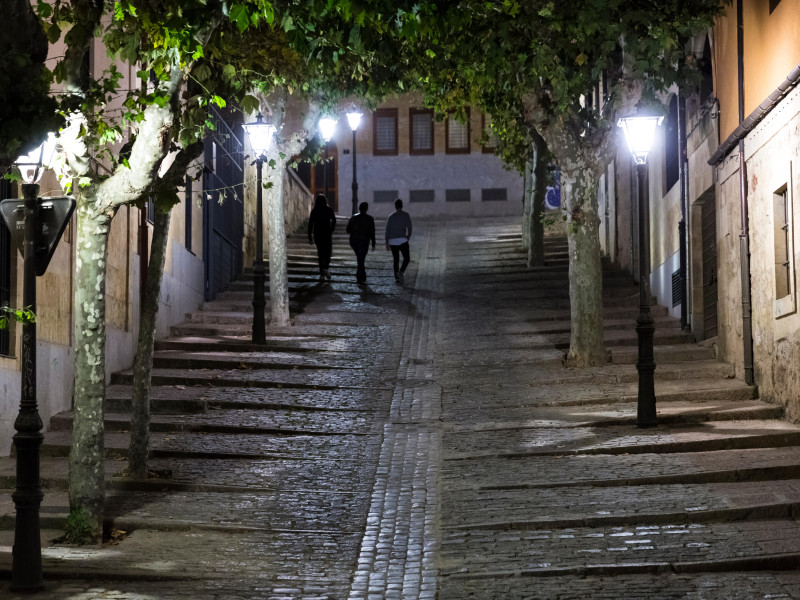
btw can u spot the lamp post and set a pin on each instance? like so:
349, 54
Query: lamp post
26, 572
260, 135
354, 119
639, 132
327, 125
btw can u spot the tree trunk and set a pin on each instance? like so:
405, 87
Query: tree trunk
278, 272
527, 205
538, 194
86, 470
579, 189
143, 363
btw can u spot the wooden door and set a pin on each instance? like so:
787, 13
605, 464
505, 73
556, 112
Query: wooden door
709, 226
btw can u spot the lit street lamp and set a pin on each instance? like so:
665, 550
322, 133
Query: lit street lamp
639, 132
354, 119
27, 555
260, 135
327, 125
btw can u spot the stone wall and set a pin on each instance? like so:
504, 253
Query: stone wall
772, 154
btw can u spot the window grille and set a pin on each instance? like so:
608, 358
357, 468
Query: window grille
457, 135
385, 131
676, 288
421, 131
781, 238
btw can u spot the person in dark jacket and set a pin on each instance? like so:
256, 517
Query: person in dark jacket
361, 228
321, 224
398, 233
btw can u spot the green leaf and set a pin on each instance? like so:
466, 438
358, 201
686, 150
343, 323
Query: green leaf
240, 16
219, 101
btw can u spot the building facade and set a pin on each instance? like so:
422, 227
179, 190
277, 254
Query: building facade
725, 169
435, 167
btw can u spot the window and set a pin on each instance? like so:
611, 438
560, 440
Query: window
489, 135
784, 262
384, 131
457, 135
672, 154
781, 236
421, 131
421, 196
494, 194
461, 195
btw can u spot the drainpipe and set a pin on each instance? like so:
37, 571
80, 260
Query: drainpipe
744, 242
683, 251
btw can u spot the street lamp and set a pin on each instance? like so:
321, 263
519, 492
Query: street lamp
327, 125
354, 119
26, 572
639, 132
260, 135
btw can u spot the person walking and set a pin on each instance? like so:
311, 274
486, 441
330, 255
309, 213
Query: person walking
398, 233
321, 224
361, 228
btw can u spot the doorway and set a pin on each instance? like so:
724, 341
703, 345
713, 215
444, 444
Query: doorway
708, 221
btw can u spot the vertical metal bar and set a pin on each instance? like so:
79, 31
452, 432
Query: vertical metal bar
27, 560
744, 237
683, 176
355, 180
259, 304
645, 328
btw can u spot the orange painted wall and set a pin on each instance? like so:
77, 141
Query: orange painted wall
771, 51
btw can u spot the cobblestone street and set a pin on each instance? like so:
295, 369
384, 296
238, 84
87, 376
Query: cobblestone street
425, 441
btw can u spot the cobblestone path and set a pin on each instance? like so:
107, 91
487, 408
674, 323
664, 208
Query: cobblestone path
425, 442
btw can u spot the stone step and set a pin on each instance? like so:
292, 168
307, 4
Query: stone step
237, 421
616, 440
257, 378
735, 560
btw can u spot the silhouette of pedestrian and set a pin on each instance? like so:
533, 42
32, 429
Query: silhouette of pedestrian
361, 228
398, 233
321, 224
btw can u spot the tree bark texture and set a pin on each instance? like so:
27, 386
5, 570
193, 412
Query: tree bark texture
143, 363
527, 203
278, 271
86, 471
538, 194
580, 176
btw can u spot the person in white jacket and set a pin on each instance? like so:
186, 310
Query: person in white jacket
398, 233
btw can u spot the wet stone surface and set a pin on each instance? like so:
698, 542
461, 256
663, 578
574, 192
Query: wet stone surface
446, 453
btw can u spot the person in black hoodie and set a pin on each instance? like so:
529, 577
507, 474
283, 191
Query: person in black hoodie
361, 228
321, 224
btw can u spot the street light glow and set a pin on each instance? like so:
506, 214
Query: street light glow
260, 135
354, 119
33, 164
640, 131
327, 125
